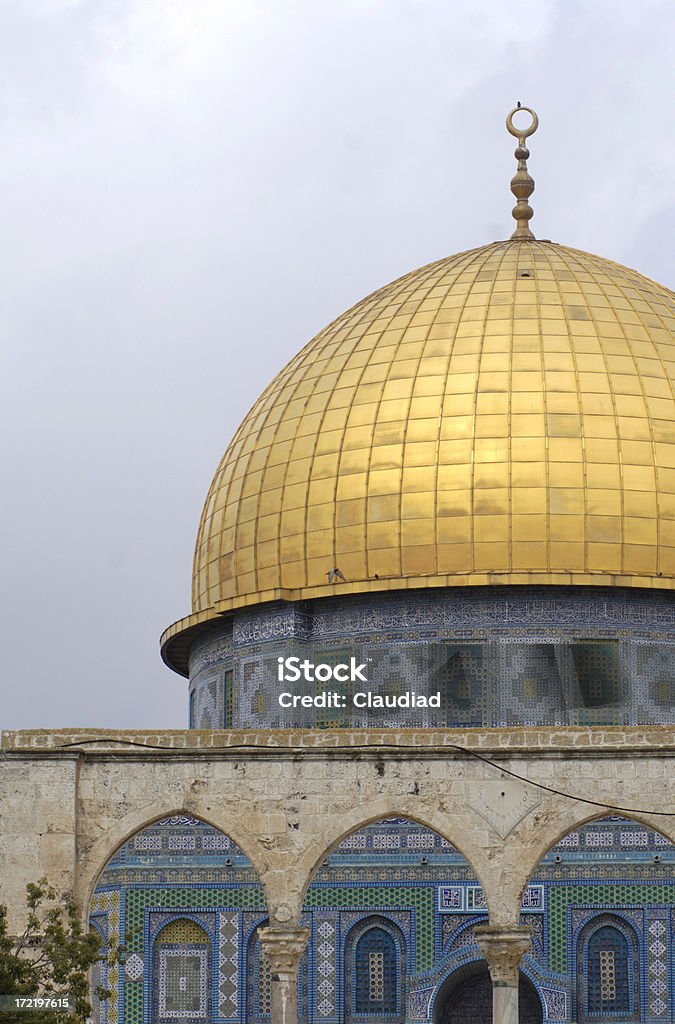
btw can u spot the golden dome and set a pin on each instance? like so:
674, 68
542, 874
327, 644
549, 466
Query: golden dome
505, 415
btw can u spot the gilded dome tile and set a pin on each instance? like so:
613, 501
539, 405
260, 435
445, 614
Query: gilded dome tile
505, 415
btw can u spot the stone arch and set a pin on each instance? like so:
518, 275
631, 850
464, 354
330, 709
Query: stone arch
554, 826
184, 871
604, 864
396, 868
355, 819
543, 847
119, 831
546, 838
465, 997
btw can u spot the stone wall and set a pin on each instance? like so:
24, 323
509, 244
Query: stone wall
68, 799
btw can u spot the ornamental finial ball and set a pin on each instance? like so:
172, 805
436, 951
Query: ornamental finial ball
522, 185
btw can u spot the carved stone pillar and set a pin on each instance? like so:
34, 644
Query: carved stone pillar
503, 948
284, 947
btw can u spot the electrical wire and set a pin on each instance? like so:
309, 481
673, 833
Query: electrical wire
248, 747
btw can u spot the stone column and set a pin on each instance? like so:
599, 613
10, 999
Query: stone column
503, 948
284, 947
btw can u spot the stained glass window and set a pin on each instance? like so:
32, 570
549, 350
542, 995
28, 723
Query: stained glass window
608, 972
375, 969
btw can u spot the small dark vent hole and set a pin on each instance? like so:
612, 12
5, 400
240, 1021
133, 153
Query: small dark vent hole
525, 273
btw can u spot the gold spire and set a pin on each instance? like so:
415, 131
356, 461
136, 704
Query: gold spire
522, 185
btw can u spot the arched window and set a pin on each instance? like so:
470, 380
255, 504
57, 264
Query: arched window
607, 971
181, 976
608, 986
375, 963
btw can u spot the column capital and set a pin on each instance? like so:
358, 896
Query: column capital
503, 948
284, 947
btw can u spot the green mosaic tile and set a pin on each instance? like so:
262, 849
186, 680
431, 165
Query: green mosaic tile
603, 896
133, 1002
421, 898
249, 898
213, 898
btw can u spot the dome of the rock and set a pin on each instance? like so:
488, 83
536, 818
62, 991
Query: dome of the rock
505, 415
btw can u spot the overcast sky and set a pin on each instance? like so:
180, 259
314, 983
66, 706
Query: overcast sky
189, 190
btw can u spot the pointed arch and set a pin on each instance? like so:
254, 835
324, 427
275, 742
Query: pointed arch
120, 832
398, 876
465, 997
359, 818
181, 889
610, 877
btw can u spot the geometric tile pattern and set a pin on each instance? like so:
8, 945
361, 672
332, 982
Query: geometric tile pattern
616, 896
182, 930
419, 1003
133, 967
533, 670
326, 965
611, 865
657, 965
183, 979
384, 899
555, 1002
451, 929
228, 965
107, 902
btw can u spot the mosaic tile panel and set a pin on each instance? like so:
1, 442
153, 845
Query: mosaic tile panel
187, 898
419, 1004
183, 983
228, 965
383, 899
171, 927
657, 965
133, 1002
107, 904
404, 921
451, 927
327, 979
609, 848
561, 898
548, 653
134, 967
141, 901
555, 1001
535, 922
